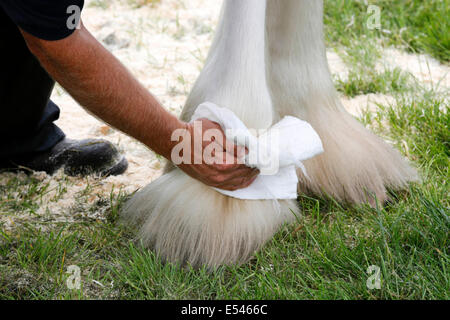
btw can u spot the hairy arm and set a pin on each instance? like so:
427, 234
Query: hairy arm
102, 85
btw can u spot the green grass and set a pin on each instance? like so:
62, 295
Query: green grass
324, 255
362, 49
369, 81
417, 26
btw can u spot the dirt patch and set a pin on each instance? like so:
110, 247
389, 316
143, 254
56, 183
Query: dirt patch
425, 69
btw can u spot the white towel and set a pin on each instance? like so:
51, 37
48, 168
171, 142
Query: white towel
276, 152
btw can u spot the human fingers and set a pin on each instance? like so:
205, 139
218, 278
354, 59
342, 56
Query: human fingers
238, 183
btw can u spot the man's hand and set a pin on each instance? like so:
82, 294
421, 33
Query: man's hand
223, 169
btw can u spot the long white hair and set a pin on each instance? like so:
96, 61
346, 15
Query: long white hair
267, 60
186, 221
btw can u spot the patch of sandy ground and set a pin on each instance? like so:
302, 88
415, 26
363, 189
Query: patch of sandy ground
164, 47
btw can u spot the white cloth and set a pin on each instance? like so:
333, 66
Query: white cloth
276, 152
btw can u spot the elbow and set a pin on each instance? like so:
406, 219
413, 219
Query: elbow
46, 50
36, 46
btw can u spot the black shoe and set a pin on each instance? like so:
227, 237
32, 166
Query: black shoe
83, 157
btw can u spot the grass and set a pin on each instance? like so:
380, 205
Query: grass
417, 26
325, 255
358, 83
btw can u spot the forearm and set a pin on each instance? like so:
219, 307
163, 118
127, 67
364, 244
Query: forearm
102, 85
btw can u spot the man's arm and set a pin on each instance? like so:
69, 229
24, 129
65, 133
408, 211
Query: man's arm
102, 85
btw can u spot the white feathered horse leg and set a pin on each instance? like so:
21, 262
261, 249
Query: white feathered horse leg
356, 164
186, 221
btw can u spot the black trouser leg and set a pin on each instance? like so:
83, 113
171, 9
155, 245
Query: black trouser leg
26, 113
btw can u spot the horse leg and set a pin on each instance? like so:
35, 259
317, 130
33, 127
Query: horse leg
186, 221
357, 166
